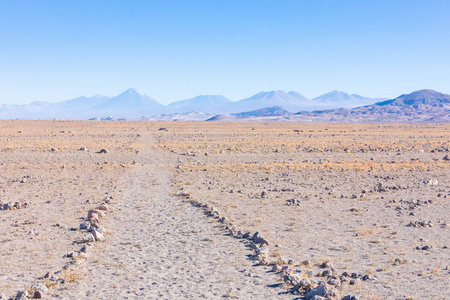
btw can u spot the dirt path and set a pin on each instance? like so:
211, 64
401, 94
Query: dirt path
162, 248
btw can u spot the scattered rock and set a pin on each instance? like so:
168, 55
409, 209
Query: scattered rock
293, 202
303, 286
38, 294
431, 181
420, 224
276, 268
16, 205
39, 287
22, 295
99, 228
350, 297
49, 275
89, 238
102, 206
292, 279
323, 290
85, 226
97, 235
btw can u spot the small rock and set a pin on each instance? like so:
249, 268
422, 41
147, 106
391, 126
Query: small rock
85, 226
326, 264
336, 282
2, 296
303, 286
103, 151
263, 262
89, 238
276, 268
350, 297
100, 229
323, 290
22, 295
98, 236
432, 181
92, 214
327, 273
293, 279
38, 294
39, 287
102, 206
447, 158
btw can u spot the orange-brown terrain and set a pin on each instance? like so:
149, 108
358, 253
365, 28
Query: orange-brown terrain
170, 210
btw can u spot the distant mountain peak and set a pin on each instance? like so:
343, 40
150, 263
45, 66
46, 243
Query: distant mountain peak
426, 96
131, 91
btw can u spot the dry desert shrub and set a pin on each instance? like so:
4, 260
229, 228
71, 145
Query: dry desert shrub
72, 275
364, 231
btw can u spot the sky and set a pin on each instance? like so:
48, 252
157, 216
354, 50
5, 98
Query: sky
174, 50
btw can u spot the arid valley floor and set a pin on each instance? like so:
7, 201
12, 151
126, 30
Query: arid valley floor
170, 210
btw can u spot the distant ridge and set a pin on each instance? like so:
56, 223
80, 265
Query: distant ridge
263, 112
203, 103
292, 102
423, 106
338, 99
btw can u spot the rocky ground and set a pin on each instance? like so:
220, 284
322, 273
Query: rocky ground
199, 210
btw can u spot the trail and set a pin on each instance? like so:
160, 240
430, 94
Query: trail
162, 248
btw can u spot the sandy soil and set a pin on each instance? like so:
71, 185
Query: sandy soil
362, 199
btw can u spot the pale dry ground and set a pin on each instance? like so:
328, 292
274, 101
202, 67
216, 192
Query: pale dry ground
162, 247
158, 246
323, 166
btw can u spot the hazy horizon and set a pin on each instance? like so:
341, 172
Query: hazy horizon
176, 50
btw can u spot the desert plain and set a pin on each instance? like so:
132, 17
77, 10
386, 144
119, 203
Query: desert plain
205, 210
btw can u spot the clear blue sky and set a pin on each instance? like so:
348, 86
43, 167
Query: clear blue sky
173, 50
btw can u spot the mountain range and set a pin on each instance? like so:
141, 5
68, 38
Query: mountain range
335, 106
